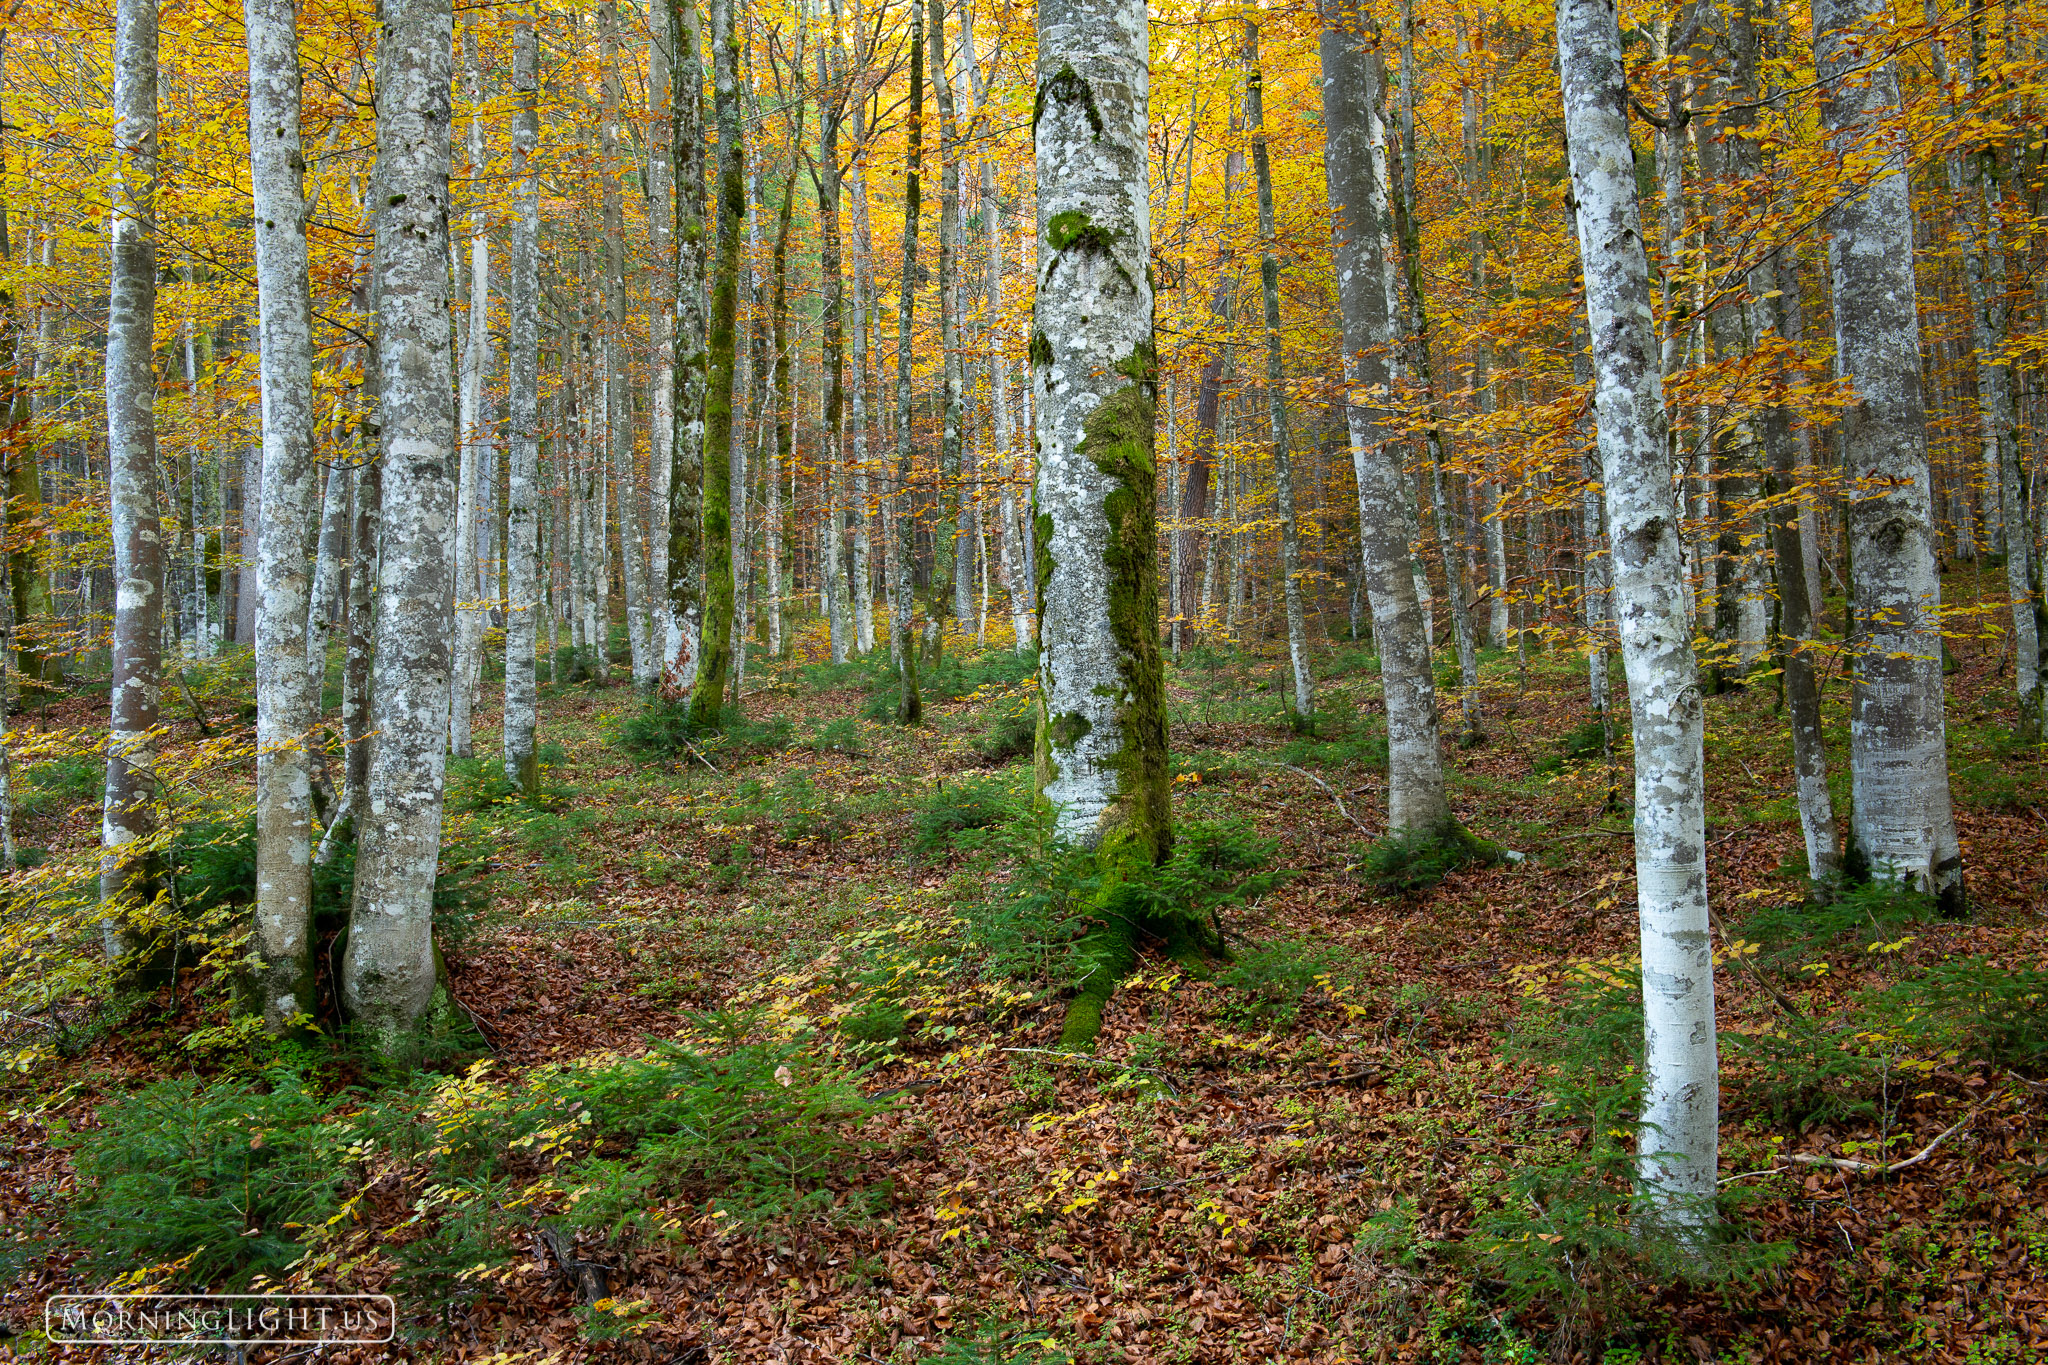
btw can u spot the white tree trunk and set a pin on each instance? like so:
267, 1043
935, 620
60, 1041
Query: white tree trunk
389, 976
129, 813
286, 680
474, 434
1678, 1138
1904, 828
1102, 751
522, 501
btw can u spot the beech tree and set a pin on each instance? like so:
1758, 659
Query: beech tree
1679, 1127
286, 678
1102, 758
1352, 91
128, 875
522, 511
389, 976
1904, 829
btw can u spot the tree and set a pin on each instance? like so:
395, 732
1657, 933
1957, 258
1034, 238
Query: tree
389, 976
714, 659
909, 706
1352, 90
1102, 759
128, 865
285, 683
686, 453
1678, 1134
522, 501
1904, 829
1276, 390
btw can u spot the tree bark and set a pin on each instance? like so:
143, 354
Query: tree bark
1352, 89
128, 877
287, 677
522, 497
389, 973
909, 705
714, 659
1904, 828
686, 455
1276, 392
1678, 1137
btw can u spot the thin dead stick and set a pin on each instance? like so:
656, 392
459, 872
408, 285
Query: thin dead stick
1855, 1167
1333, 796
1750, 967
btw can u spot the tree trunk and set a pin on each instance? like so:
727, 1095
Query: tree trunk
686, 455
954, 560
389, 974
1276, 392
522, 501
128, 878
471, 433
714, 659
1678, 1135
909, 706
1352, 89
1904, 828
287, 682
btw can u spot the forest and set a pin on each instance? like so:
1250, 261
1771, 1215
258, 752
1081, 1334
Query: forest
939, 680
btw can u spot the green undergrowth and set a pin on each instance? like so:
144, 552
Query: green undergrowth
1416, 860
208, 1185
662, 729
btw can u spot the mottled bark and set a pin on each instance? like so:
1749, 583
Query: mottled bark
1904, 827
1678, 1132
522, 497
128, 876
686, 454
389, 972
1352, 90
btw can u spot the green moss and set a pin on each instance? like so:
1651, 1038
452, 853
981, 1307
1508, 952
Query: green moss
1064, 87
1076, 229
1118, 439
1069, 728
1041, 350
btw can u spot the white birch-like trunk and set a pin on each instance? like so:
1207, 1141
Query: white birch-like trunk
286, 682
522, 497
473, 431
389, 973
325, 597
127, 878
1678, 1136
1904, 827
692, 356
1102, 764
661, 380
1352, 91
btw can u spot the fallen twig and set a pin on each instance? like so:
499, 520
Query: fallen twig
1784, 1004
1359, 824
1855, 1167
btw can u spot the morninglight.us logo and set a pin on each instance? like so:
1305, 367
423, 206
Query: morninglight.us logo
220, 1319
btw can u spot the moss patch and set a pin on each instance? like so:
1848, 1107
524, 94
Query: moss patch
1065, 87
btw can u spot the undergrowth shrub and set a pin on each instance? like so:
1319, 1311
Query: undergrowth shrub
959, 806
1012, 729
58, 786
662, 729
217, 1177
213, 866
1402, 864
842, 736
995, 1342
1789, 934
1972, 1007
1582, 745
1271, 979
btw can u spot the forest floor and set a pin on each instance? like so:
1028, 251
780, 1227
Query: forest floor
1386, 1131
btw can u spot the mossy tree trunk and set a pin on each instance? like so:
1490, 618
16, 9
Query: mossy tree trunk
714, 659
1102, 761
909, 706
